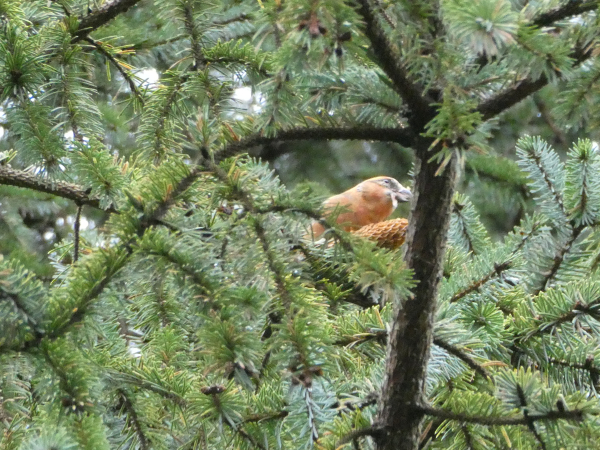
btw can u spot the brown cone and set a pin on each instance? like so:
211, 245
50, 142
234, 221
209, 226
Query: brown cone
388, 234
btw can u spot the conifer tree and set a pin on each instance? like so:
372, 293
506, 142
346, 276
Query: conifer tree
157, 285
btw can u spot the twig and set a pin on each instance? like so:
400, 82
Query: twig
252, 418
460, 354
528, 419
476, 285
574, 311
121, 258
559, 258
133, 419
192, 31
76, 227
575, 415
119, 67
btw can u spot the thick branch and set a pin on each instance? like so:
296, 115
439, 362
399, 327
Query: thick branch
510, 97
571, 8
19, 178
101, 16
522, 89
420, 106
412, 330
402, 136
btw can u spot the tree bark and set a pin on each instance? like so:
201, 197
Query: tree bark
412, 330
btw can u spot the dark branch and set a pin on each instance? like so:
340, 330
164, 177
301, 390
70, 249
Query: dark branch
575, 415
510, 97
345, 406
402, 136
523, 89
19, 178
192, 31
571, 8
261, 417
420, 106
133, 419
371, 335
76, 227
460, 354
134, 380
575, 311
363, 432
146, 45
476, 285
559, 258
588, 366
528, 419
101, 16
126, 76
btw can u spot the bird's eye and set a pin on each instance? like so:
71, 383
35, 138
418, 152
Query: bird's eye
386, 181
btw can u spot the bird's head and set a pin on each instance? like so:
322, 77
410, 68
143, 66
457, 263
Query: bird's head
396, 192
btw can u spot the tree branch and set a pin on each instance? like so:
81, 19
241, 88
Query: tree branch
460, 354
476, 285
19, 178
576, 415
588, 366
522, 89
510, 97
132, 86
368, 431
560, 257
101, 16
574, 311
402, 136
76, 227
571, 8
133, 419
420, 106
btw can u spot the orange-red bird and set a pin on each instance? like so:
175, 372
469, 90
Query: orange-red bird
368, 202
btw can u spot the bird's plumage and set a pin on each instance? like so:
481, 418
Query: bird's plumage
371, 201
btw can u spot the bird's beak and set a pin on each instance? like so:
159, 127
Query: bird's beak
403, 195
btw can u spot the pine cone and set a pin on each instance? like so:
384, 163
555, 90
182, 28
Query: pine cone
388, 234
